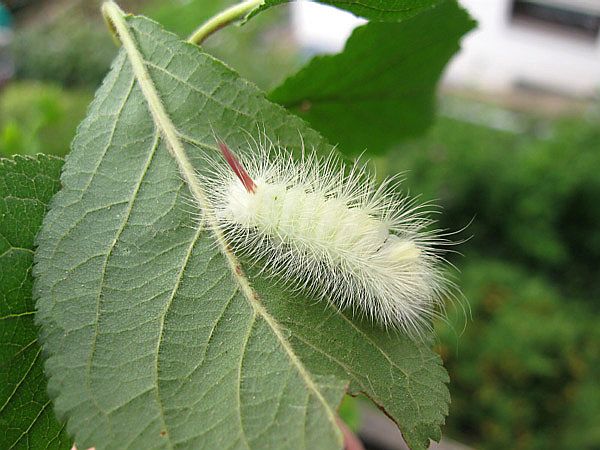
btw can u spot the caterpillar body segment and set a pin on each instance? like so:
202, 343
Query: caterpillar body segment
334, 234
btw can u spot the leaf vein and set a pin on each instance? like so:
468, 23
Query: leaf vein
239, 379
23, 377
102, 280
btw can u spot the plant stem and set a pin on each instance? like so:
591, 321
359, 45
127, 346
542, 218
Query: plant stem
224, 18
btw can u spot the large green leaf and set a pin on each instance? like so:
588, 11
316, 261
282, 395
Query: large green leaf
26, 416
381, 88
376, 10
157, 336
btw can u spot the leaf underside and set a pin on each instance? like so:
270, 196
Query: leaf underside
26, 416
154, 339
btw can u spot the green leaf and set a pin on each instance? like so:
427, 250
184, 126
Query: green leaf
26, 417
158, 336
375, 10
381, 88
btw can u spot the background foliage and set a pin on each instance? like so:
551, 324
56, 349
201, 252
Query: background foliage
39, 117
531, 197
525, 369
26, 415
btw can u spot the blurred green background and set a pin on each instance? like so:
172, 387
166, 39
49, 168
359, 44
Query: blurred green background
525, 358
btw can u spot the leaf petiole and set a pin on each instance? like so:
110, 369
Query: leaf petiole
224, 18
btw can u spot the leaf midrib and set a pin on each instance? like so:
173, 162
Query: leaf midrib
171, 136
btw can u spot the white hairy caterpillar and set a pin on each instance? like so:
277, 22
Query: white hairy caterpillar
334, 234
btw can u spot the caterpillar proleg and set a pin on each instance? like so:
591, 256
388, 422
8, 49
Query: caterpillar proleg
333, 233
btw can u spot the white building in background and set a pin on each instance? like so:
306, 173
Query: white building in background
545, 45
320, 28
539, 45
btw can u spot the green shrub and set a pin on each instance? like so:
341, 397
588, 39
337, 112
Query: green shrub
531, 200
524, 371
39, 118
76, 50
71, 51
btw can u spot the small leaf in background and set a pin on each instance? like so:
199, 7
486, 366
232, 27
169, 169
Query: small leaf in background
381, 88
156, 338
26, 416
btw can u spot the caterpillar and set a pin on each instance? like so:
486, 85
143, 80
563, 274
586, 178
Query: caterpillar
332, 232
